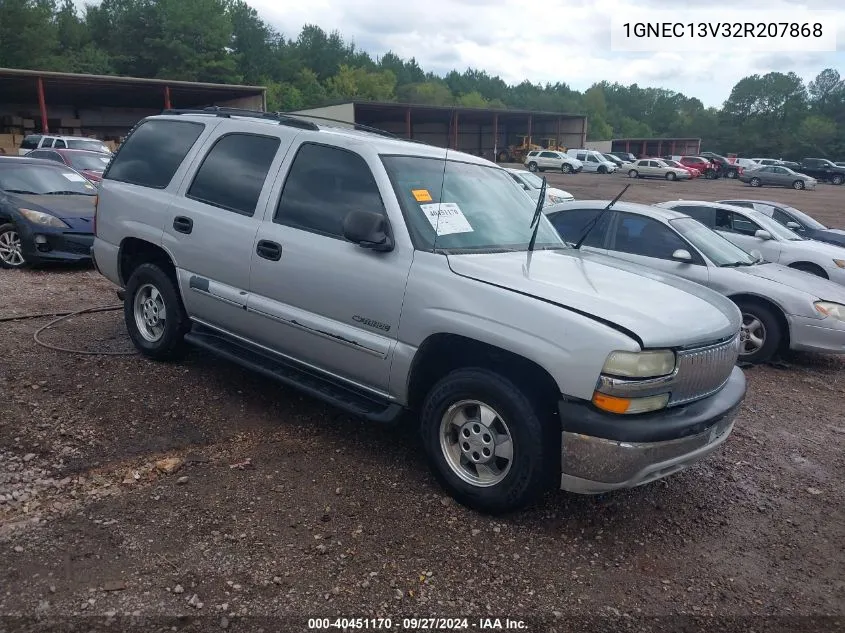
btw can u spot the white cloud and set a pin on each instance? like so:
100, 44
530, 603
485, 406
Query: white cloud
553, 41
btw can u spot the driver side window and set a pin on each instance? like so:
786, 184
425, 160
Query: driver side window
323, 185
735, 223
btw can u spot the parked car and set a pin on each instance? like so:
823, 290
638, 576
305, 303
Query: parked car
46, 213
593, 161
627, 157
781, 307
656, 168
46, 141
793, 219
532, 184
839, 163
258, 239
89, 164
777, 176
616, 160
693, 172
746, 163
707, 168
823, 170
547, 159
767, 161
724, 166
752, 230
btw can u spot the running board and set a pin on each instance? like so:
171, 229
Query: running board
354, 401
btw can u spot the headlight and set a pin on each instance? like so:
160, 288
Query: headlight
649, 364
830, 309
839, 262
43, 219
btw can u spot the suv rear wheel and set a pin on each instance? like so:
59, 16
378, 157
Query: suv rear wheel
484, 438
154, 314
838, 179
532, 166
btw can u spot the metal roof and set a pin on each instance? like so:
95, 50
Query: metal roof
82, 90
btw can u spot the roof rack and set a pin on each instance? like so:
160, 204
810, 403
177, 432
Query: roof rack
356, 126
227, 113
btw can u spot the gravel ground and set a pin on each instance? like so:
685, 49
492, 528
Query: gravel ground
172, 496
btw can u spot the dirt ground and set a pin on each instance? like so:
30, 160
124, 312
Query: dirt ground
284, 509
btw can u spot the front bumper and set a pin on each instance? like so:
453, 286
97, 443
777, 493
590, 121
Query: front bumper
43, 244
826, 336
601, 452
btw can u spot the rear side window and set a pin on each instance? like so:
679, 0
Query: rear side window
153, 152
233, 172
705, 215
572, 224
30, 142
323, 185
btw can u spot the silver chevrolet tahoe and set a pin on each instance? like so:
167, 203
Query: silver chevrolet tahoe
387, 276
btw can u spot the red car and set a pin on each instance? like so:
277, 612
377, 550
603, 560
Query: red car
694, 172
706, 167
89, 164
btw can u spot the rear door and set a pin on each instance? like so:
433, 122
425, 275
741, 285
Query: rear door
214, 218
648, 242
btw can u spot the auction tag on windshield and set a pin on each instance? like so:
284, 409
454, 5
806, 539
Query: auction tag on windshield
421, 195
446, 218
73, 177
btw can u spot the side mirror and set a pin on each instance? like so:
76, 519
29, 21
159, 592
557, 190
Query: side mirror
763, 235
757, 255
793, 225
682, 255
367, 229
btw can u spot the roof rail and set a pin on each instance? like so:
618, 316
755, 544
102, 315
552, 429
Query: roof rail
357, 126
227, 113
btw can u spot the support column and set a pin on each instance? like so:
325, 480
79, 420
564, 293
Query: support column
496, 137
659, 148
672, 148
644, 151
455, 132
557, 134
167, 105
42, 105
583, 132
530, 121
408, 132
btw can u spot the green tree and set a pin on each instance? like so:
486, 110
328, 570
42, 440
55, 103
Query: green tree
28, 34
817, 132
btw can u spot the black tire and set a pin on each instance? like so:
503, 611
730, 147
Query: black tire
755, 182
798, 184
9, 231
602, 169
670, 175
503, 157
813, 269
838, 179
710, 174
771, 329
176, 323
533, 453
732, 174
633, 174
532, 166
566, 168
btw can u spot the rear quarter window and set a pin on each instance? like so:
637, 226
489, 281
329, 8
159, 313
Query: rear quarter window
153, 152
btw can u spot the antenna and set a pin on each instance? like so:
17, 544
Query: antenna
592, 223
442, 182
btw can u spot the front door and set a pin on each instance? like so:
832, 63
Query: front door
324, 300
645, 241
212, 226
741, 230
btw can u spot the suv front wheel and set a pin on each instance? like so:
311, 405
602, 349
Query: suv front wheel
485, 440
154, 314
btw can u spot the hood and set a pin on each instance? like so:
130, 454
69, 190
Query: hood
831, 236
662, 310
560, 193
818, 287
819, 248
64, 207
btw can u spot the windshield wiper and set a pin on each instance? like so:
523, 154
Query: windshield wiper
535, 220
66, 193
592, 223
735, 264
23, 191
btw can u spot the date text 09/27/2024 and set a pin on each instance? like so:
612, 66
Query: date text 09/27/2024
417, 624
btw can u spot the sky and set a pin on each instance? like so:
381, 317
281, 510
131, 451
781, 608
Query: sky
567, 41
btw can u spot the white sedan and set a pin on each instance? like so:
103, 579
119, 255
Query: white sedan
752, 230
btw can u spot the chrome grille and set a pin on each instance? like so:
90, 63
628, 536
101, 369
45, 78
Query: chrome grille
703, 371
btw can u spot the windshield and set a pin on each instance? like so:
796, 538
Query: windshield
805, 219
531, 180
480, 208
35, 179
87, 143
94, 162
777, 229
716, 248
